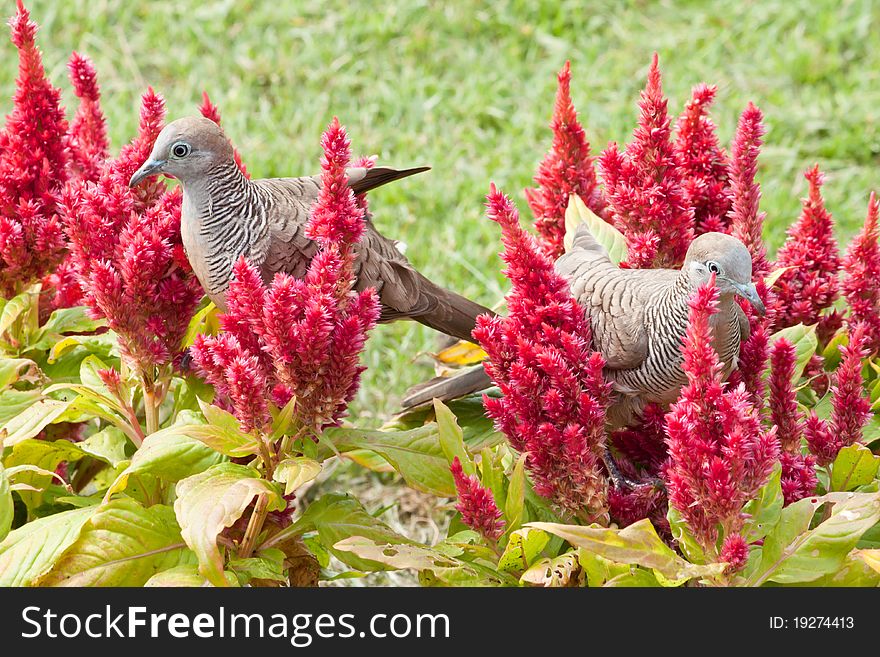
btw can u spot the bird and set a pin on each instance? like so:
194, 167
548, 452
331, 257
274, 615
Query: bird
225, 215
638, 319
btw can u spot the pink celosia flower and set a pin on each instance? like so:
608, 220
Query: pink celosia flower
735, 552
554, 395
87, 137
851, 409
476, 504
568, 168
753, 354
703, 162
299, 338
783, 398
861, 278
798, 476
810, 284
33, 168
210, 111
720, 454
122, 247
644, 188
745, 220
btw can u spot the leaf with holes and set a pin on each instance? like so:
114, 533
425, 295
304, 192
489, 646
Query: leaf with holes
523, 547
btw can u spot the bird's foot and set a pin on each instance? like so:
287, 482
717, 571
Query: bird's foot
620, 480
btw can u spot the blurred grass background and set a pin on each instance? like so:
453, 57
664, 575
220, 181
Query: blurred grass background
468, 87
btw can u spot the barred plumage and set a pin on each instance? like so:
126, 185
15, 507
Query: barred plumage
225, 216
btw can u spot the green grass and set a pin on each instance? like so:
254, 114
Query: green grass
468, 88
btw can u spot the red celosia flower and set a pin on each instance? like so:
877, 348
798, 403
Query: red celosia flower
703, 162
745, 220
87, 138
210, 111
567, 169
810, 284
861, 278
798, 476
753, 354
783, 398
851, 409
122, 246
735, 552
33, 168
299, 338
476, 504
554, 395
644, 188
720, 454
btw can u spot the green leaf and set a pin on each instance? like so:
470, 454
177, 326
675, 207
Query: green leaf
66, 320
7, 506
684, 537
220, 439
600, 570
636, 544
452, 438
32, 549
212, 500
185, 576
434, 567
854, 466
14, 309
771, 278
31, 421
268, 565
13, 403
44, 455
635, 578
870, 557
170, 455
805, 343
831, 354
122, 544
792, 553
553, 573
204, 321
514, 506
294, 472
608, 236
12, 369
416, 454
282, 420
107, 445
764, 511
336, 517
523, 547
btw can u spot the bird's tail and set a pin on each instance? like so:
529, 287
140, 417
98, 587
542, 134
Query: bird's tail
447, 388
450, 313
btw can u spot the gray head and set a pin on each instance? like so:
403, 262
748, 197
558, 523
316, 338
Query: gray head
186, 149
729, 260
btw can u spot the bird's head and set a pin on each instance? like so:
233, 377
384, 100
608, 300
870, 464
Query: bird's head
186, 149
729, 260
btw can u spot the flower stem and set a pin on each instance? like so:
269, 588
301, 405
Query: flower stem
254, 527
151, 410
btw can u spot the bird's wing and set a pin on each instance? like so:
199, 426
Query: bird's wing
615, 300
745, 329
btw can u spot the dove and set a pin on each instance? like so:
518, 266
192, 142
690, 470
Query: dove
225, 216
638, 319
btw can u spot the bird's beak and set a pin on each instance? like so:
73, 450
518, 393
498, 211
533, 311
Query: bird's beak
149, 168
749, 292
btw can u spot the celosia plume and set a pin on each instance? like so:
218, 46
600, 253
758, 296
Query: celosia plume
476, 504
87, 138
644, 186
122, 249
861, 278
783, 398
553, 394
33, 168
720, 455
568, 168
810, 284
703, 162
851, 409
745, 219
298, 337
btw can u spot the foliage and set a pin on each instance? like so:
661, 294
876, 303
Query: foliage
126, 468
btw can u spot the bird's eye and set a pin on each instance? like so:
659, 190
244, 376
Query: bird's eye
713, 267
180, 149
